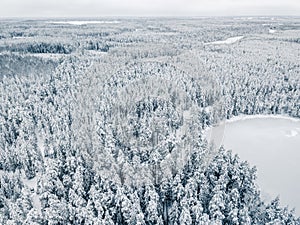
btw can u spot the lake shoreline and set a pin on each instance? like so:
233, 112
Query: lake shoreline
243, 117
270, 143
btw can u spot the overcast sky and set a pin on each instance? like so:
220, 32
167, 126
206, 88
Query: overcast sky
92, 8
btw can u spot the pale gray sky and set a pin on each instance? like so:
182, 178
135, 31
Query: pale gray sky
91, 8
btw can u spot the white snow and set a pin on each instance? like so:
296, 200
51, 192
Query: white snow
230, 40
2, 172
208, 109
183, 129
291, 133
36, 202
48, 55
94, 52
21, 37
30, 183
186, 114
40, 145
84, 22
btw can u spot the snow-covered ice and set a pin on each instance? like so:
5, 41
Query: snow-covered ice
230, 40
84, 22
271, 143
291, 133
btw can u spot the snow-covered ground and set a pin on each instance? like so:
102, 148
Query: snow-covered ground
21, 37
272, 144
40, 143
94, 52
84, 22
47, 55
230, 40
32, 185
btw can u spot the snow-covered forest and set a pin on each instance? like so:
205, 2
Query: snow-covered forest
102, 122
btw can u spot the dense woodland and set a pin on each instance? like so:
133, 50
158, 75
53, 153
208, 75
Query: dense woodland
103, 124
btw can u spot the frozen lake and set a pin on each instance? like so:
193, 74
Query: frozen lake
84, 22
273, 145
228, 41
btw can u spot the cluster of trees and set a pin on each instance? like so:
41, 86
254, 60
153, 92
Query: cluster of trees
40, 47
72, 192
269, 85
117, 139
26, 65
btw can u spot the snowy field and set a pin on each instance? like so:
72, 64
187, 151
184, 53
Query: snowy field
272, 144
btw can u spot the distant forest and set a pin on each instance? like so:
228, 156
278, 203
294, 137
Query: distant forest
103, 124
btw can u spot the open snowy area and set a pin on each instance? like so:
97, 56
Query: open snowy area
105, 121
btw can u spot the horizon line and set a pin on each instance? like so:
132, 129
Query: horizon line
149, 16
